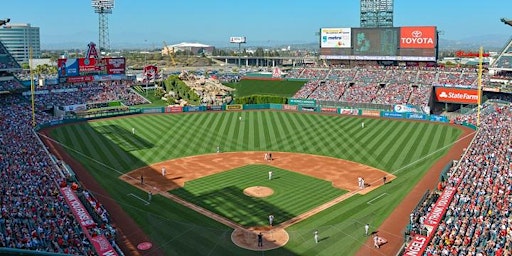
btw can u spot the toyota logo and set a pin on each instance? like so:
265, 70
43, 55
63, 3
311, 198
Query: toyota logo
416, 33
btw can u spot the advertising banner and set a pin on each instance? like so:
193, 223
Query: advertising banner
214, 108
152, 110
67, 67
416, 246
80, 79
349, 111
391, 114
416, 116
194, 108
370, 113
115, 65
173, 109
237, 39
309, 102
418, 37
405, 108
88, 65
234, 107
456, 95
330, 110
102, 245
289, 107
307, 109
435, 118
77, 207
436, 214
335, 38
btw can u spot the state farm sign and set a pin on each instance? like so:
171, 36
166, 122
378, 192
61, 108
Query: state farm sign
455, 95
417, 37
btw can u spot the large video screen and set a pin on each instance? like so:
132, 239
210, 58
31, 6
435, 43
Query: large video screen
335, 37
392, 44
375, 41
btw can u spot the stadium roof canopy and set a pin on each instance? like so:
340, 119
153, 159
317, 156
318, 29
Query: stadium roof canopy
507, 21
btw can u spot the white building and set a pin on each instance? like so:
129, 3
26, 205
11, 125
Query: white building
194, 48
19, 38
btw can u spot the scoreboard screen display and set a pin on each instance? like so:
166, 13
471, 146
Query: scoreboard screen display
375, 41
393, 44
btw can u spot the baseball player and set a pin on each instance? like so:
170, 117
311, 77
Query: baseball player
315, 236
269, 175
240, 118
366, 229
271, 219
163, 171
376, 241
260, 240
218, 149
150, 195
265, 157
362, 125
133, 130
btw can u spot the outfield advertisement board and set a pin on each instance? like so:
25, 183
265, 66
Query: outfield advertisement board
115, 65
456, 95
329, 110
214, 108
366, 112
442, 119
335, 38
234, 107
173, 109
416, 116
349, 111
194, 108
391, 114
308, 102
307, 108
290, 107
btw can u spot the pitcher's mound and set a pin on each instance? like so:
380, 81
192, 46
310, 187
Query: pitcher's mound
248, 238
258, 191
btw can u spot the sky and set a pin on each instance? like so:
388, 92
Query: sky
263, 22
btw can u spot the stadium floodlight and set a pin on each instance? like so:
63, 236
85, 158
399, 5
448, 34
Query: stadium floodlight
3, 22
506, 21
103, 8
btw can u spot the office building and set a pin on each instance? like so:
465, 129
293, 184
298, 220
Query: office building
19, 38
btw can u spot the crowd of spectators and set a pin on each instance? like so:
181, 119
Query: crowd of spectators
478, 219
34, 214
379, 85
71, 94
10, 85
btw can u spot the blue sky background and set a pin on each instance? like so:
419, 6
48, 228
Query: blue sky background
263, 22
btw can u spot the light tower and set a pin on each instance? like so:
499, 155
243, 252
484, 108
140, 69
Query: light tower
103, 8
376, 13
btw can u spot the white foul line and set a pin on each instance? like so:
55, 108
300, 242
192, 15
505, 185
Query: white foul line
131, 194
381, 195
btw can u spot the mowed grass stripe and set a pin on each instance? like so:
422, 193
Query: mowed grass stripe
408, 147
289, 200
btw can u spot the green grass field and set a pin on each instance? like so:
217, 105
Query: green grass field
108, 149
290, 199
264, 87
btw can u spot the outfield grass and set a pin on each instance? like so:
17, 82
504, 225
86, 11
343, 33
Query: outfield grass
266, 87
222, 193
108, 149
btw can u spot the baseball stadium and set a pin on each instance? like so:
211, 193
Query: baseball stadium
373, 149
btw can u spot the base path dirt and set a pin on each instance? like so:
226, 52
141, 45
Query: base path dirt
392, 228
342, 173
172, 174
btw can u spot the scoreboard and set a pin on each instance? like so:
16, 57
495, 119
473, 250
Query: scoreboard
398, 43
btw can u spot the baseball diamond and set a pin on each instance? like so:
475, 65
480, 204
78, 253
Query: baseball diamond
308, 150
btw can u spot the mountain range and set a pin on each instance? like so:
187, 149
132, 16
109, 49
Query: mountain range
489, 42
